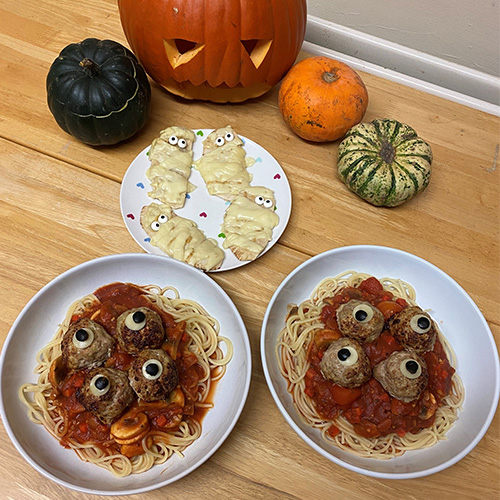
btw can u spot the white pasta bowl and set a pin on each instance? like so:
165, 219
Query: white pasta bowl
35, 327
459, 319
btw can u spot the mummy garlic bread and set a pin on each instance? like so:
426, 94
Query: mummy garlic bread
249, 221
224, 163
171, 157
180, 238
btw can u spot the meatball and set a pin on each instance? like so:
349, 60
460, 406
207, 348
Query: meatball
360, 320
138, 329
403, 375
413, 329
153, 375
345, 363
86, 344
105, 393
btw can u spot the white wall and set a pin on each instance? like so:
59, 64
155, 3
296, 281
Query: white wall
464, 32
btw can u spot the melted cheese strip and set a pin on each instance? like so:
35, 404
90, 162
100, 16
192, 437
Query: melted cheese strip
180, 238
171, 167
248, 227
224, 167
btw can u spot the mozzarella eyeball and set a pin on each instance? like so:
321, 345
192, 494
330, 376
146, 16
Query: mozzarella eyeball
410, 368
152, 369
268, 203
220, 141
182, 143
229, 136
348, 356
173, 140
99, 385
83, 338
259, 200
135, 321
420, 323
363, 313
162, 218
155, 225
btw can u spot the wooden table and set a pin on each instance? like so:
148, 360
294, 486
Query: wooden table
59, 207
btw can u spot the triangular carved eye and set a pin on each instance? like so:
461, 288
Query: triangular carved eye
181, 51
257, 50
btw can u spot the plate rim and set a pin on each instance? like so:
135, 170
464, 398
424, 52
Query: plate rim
321, 451
241, 263
131, 491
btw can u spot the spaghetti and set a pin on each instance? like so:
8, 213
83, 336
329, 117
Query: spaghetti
293, 350
197, 344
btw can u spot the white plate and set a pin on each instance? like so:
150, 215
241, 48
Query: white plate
36, 325
206, 210
460, 321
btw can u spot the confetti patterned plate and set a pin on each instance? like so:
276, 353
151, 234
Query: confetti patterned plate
206, 210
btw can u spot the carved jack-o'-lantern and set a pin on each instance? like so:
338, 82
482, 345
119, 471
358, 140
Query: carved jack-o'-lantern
217, 50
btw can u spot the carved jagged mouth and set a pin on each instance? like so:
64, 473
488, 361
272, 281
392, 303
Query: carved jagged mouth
180, 51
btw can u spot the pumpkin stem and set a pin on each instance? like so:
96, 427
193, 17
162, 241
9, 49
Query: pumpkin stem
387, 152
90, 67
330, 76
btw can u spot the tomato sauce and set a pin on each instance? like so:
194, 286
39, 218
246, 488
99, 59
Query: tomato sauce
371, 410
82, 426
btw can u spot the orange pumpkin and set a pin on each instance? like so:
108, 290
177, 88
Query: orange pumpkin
216, 50
321, 99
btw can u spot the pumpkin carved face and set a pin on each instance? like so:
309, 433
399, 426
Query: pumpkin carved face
221, 50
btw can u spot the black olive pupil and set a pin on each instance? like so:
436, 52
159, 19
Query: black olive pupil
361, 315
138, 317
101, 383
412, 367
81, 335
152, 369
423, 323
343, 354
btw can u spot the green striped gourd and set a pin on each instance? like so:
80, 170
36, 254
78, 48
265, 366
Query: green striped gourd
384, 162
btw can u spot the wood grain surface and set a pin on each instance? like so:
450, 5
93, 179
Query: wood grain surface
59, 207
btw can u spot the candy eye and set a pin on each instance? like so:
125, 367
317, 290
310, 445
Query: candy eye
182, 143
268, 203
220, 141
152, 369
410, 368
173, 140
229, 136
259, 200
362, 313
155, 225
83, 337
162, 218
348, 356
135, 321
99, 385
420, 323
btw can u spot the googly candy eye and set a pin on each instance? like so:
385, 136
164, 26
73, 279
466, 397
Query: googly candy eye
152, 369
259, 200
348, 356
363, 313
83, 337
162, 218
229, 136
135, 321
182, 143
220, 141
410, 368
99, 385
420, 323
155, 225
268, 203
173, 140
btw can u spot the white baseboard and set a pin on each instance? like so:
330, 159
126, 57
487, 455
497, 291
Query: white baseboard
404, 65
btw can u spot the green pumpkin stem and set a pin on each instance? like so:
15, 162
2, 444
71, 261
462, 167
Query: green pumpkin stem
90, 67
387, 152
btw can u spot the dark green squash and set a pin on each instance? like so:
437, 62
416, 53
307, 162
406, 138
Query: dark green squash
98, 92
